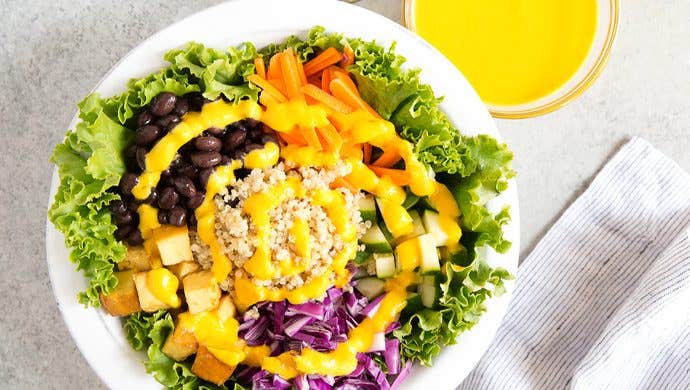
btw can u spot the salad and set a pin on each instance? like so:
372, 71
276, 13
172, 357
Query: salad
301, 216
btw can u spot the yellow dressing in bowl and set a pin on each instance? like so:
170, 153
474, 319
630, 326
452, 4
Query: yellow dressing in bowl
512, 51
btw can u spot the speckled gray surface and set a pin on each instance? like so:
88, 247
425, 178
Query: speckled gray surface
53, 52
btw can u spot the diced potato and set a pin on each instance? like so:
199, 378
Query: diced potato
173, 244
147, 300
184, 268
123, 300
226, 308
180, 344
201, 291
207, 367
136, 259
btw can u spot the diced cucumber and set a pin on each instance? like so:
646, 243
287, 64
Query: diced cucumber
362, 257
418, 227
367, 208
433, 227
427, 247
360, 273
375, 241
425, 204
410, 200
414, 303
429, 290
370, 287
385, 264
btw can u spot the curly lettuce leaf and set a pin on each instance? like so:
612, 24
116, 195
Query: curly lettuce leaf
317, 40
218, 72
149, 331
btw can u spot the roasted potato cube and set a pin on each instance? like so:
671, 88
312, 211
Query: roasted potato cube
147, 300
173, 244
123, 300
208, 367
226, 308
180, 344
184, 268
136, 259
201, 291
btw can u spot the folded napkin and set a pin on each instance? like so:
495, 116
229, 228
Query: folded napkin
603, 301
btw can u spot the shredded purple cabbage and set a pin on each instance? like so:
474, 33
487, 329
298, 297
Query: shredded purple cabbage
320, 326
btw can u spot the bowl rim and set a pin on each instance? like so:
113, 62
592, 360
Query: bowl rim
562, 99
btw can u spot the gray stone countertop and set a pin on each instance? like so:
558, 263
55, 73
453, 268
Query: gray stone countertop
53, 52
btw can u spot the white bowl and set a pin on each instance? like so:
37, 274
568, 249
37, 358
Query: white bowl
100, 337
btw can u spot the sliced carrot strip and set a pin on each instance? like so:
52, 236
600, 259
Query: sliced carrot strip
333, 140
292, 138
274, 71
340, 182
315, 81
398, 176
328, 100
279, 84
340, 90
389, 157
338, 73
327, 58
267, 88
293, 82
348, 57
326, 78
309, 134
366, 153
300, 70
260, 67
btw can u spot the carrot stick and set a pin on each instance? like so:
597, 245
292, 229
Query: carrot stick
366, 153
348, 57
338, 73
260, 67
333, 140
327, 58
315, 81
326, 78
267, 88
279, 84
389, 157
300, 70
293, 82
398, 176
292, 138
326, 99
309, 134
274, 71
340, 90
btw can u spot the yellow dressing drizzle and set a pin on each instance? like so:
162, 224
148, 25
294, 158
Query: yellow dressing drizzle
300, 231
216, 114
262, 158
163, 285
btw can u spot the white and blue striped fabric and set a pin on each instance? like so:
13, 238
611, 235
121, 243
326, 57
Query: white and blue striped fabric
603, 301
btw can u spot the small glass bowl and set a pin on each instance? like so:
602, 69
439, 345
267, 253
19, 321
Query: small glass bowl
607, 26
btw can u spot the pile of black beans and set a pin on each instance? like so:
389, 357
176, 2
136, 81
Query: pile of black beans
182, 186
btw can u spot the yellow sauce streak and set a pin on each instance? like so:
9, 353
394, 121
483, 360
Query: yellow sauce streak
262, 158
300, 231
222, 177
163, 285
294, 114
216, 114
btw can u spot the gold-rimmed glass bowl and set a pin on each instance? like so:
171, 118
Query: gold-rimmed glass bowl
607, 26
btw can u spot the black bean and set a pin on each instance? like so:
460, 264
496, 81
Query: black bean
191, 217
204, 174
189, 171
163, 104
255, 134
168, 198
117, 206
208, 144
206, 159
269, 137
127, 182
239, 154
234, 139
141, 158
177, 216
168, 122
252, 146
242, 173
196, 101
181, 106
225, 160
144, 119
147, 134
132, 204
237, 126
252, 123
124, 218
134, 238
153, 197
130, 155
215, 131
162, 217
195, 200
184, 186
177, 162
122, 232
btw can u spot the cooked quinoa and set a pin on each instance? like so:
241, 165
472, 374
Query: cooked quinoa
237, 235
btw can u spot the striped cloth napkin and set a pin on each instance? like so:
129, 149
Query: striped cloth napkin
603, 301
